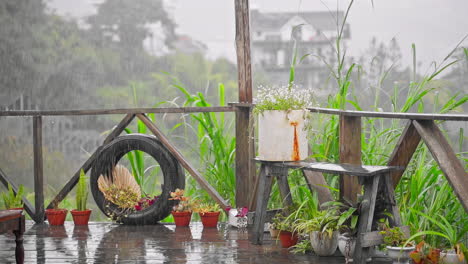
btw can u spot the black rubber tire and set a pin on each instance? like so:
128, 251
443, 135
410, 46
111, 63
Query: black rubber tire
173, 175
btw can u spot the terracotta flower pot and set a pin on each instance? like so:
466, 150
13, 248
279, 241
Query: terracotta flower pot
209, 219
81, 217
56, 216
288, 239
182, 218
274, 233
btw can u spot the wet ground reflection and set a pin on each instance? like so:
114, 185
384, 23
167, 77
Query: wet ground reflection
112, 243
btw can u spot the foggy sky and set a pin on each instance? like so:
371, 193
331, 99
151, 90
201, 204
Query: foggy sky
435, 26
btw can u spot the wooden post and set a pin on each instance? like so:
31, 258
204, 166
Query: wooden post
38, 170
245, 167
350, 152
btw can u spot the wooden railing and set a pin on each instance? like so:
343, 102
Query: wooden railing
419, 127
37, 213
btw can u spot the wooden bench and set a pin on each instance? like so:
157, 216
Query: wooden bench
375, 179
14, 221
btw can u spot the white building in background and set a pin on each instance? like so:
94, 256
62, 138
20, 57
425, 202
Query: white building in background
273, 36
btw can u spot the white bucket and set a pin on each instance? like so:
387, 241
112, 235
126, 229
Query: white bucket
281, 135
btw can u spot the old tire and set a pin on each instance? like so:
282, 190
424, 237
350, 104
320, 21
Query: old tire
173, 176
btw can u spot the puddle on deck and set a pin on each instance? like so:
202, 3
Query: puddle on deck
113, 243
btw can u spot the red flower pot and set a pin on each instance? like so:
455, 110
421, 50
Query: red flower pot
182, 218
56, 216
209, 219
288, 239
81, 217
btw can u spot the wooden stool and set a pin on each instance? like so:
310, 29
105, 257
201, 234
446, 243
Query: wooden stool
13, 220
370, 176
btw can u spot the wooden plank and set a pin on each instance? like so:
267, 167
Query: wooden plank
390, 200
28, 207
350, 153
392, 115
264, 190
334, 168
245, 167
38, 170
118, 111
244, 71
283, 185
374, 238
360, 252
195, 174
89, 162
317, 183
404, 150
445, 157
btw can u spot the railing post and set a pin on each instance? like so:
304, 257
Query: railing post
350, 152
245, 167
38, 170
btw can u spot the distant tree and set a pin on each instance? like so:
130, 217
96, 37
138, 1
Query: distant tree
125, 24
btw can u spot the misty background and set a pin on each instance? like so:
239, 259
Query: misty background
98, 54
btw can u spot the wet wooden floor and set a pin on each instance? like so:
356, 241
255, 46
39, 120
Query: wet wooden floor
113, 243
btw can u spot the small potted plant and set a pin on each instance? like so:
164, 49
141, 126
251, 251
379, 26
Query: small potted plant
56, 216
397, 244
287, 235
12, 200
182, 211
425, 254
275, 224
81, 214
457, 253
209, 214
323, 231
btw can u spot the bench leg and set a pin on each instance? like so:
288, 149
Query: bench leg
263, 195
284, 189
366, 218
19, 250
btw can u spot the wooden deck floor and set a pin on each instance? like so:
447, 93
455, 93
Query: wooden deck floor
113, 243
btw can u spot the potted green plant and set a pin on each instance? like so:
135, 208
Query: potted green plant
397, 244
274, 226
455, 252
281, 121
56, 216
81, 214
182, 211
287, 235
209, 214
12, 200
323, 231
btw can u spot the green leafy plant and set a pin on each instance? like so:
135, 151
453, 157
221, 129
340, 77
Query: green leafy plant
453, 237
203, 208
185, 203
282, 98
12, 200
394, 237
81, 198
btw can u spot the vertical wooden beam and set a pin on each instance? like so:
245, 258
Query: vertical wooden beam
404, 150
38, 170
245, 168
350, 152
445, 157
244, 70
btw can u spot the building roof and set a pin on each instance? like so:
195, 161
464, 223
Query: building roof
273, 21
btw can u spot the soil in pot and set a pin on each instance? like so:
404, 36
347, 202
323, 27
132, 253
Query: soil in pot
323, 244
209, 219
399, 255
81, 217
288, 239
56, 216
182, 218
